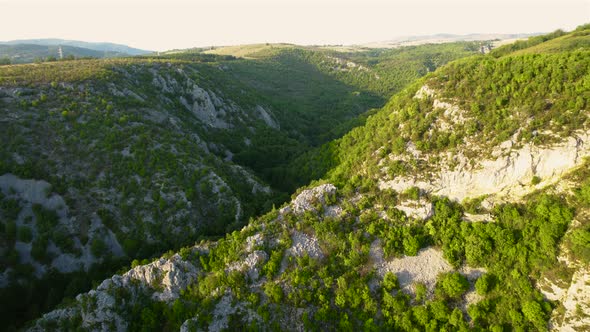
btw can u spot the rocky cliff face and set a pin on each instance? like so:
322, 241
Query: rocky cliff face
508, 175
100, 309
164, 279
510, 170
100, 171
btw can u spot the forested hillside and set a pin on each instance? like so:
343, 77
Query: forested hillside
462, 204
107, 161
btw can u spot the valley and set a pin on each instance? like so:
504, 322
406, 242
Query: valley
106, 162
285, 187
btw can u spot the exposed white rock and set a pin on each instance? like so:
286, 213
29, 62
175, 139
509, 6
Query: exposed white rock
306, 199
575, 299
204, 109
422, 209
333, 211
33, 191
305, 244
472, 273
189, 325
469, 217
219, 187
254, 241
266, 117
18, 158
99, 309
160, 82
126, 152
424, 92
452, 115
170, 275
470, 298
251, 264
508, 176
257, 186
423, 268
222, 311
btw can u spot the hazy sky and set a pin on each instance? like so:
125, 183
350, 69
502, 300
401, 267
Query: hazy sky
167, 24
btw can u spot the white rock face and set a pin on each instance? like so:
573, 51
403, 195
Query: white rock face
266, 117
172, 275
506, 176
189, 325
222, 311
34, 191
417, 209
204, 108
251, 264
423, 268
31, 192
469, 217
333, 211
575, 299
257, 187
424, 92
305, 244
254, 241
306, 200
99, 309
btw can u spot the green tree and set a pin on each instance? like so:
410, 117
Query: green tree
484, 284
533, 312
451, 285
390, 282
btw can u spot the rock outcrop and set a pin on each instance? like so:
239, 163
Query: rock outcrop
307, 199
100, 309
508, 175
416, 209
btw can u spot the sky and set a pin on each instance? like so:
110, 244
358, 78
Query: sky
175, 24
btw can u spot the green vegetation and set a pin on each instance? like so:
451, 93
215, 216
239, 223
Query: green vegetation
123, 142
333, 290
120, 144
534, 98
27, 53
557, 41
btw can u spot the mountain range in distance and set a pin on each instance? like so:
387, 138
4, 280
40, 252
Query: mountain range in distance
447, 38
30, 50
97, 46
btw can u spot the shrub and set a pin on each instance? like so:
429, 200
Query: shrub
484, 284
390, 282
451, 285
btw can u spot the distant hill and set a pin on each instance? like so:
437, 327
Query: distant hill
103, 47
445, 38
25, 53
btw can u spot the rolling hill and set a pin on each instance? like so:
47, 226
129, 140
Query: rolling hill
38, 50
27, 53
101, 47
